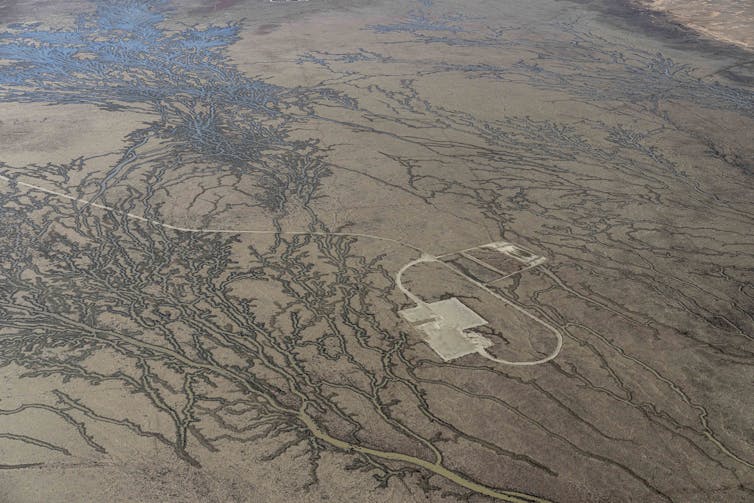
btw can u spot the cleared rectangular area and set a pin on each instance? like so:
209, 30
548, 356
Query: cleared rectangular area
445, 323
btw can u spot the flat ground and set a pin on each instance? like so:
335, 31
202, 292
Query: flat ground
213, 213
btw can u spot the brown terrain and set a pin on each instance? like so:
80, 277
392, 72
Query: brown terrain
372, 251
730, 21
